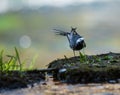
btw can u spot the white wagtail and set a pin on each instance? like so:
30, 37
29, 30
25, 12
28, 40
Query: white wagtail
76, 41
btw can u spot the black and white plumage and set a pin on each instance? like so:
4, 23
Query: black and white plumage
76, 41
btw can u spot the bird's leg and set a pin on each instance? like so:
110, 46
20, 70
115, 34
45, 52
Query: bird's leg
83, 51
74, 53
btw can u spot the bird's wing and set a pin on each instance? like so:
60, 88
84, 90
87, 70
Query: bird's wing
60, 32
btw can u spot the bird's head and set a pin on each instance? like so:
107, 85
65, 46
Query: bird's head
73, 30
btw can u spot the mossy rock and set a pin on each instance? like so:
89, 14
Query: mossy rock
94, 68
20, 79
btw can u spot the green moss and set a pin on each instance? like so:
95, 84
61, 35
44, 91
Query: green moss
94, 68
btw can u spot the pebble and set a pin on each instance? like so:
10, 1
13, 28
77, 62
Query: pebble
112, 81
62, 70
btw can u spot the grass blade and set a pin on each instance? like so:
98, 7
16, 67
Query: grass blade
1, 60
33, 62
18, 58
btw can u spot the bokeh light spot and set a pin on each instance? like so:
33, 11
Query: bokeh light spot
25, 41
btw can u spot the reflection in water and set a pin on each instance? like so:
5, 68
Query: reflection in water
30, 29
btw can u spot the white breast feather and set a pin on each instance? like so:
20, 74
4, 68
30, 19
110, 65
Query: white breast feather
79, 40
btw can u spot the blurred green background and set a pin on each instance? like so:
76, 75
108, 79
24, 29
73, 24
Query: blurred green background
28, 24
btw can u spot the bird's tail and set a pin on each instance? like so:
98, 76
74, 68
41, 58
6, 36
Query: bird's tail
59, 32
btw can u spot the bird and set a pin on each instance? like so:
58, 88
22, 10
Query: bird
76, 41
